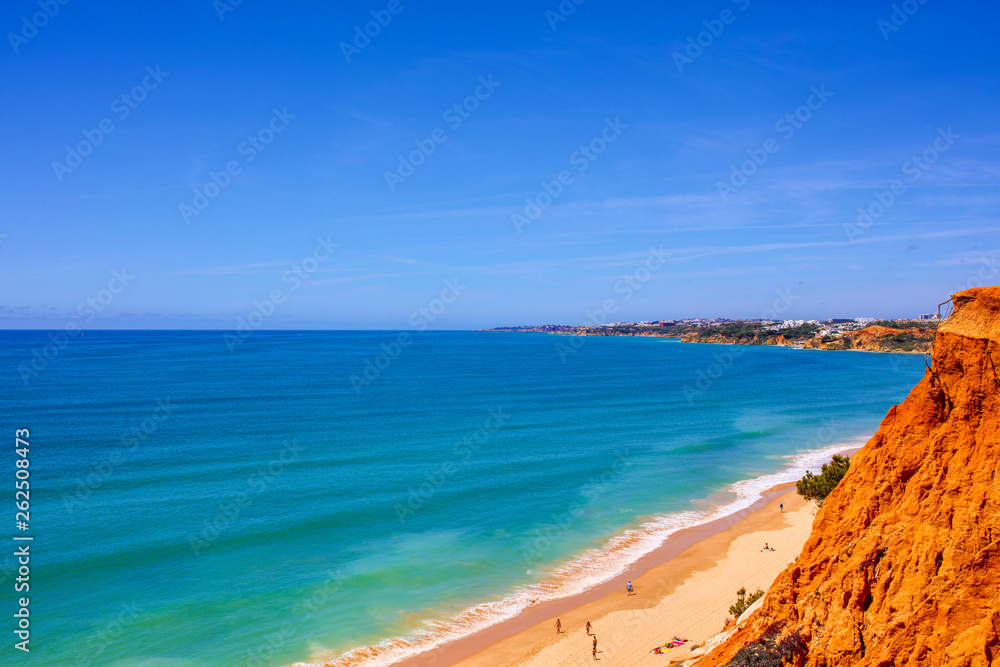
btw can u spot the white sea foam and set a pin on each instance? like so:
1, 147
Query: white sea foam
586, 571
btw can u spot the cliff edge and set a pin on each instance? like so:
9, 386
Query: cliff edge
903, 563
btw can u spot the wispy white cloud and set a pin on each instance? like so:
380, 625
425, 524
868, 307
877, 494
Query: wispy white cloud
967, 258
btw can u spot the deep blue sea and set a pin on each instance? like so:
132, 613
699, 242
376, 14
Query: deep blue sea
306, 494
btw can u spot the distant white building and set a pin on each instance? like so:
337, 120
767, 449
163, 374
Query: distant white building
788, 324
865, 320
928, 316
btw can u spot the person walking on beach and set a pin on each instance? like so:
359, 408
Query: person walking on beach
628, 588
595, 648
558, 626
781, 506
588, 628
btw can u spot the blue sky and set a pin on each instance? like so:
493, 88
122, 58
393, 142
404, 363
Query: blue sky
662, 121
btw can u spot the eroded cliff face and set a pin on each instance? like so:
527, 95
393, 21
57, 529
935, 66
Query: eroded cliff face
879, 339
729, 340
903, 563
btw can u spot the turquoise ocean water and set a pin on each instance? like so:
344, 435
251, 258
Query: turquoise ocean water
193, 506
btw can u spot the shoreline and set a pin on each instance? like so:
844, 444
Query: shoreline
684, 553
687, 596
534, 623
675, 547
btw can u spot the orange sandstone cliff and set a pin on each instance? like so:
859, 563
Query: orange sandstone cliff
868, 338
903, 563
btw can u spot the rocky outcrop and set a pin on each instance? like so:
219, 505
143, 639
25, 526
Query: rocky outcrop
842, 343
719, 339
903, 563
877, 339
884, 339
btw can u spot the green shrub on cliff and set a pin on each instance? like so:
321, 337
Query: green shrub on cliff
743, 601
818, 487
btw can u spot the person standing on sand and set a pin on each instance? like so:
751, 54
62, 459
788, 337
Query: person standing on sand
781, 506
588, 628
558, 626
628, 588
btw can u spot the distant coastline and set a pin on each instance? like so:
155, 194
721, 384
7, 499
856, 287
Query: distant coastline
899, 336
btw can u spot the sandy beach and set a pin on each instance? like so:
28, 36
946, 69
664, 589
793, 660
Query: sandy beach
685, 589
